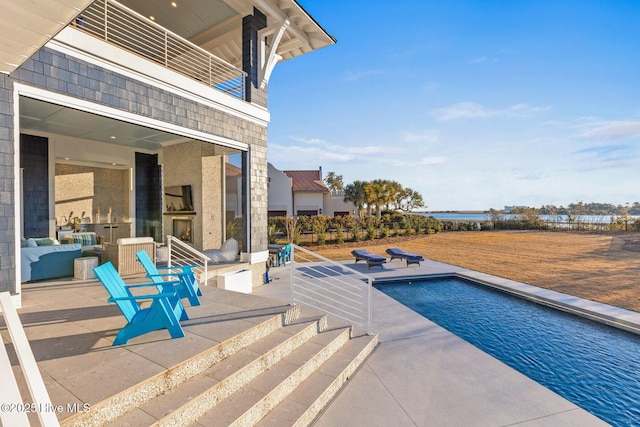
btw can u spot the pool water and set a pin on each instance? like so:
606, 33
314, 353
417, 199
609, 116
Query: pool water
595, 366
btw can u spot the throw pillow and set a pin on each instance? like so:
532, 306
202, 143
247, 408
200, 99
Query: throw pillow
31, 243
45, 241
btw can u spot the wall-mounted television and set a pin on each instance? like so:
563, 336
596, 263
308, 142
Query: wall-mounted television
178, 198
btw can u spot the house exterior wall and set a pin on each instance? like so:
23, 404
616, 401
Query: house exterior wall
336, 204
280, 196
64, 74
307, 202
195, 163
258, 195
7, 188
34, 163
83, 189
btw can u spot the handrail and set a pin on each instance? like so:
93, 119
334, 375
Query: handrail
331, 287
181, 254
14, 411
117, 24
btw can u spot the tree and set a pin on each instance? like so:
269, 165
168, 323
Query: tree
374, 192
334, 182
355, 193
411, 200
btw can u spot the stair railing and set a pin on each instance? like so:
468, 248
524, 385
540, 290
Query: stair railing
331, 287
181, 254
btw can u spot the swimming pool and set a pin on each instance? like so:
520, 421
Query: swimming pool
595, 366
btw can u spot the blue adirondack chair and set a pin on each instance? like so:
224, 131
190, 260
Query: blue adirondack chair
163, 313
285, 255
188, 286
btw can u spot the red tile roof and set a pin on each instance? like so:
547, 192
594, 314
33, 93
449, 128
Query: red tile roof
306, 181
232, 170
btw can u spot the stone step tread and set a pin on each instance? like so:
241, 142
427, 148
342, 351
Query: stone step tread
228, 411
135, 418
263, 323
306, 394
164, 404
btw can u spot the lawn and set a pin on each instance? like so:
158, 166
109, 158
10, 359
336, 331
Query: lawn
599, 267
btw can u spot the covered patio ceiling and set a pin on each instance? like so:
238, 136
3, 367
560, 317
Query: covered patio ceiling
42, 117
26, 26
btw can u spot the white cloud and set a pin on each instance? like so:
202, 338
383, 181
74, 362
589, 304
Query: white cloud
301, 154
472, 110
315, 150
612, 130
310, 141
607, 157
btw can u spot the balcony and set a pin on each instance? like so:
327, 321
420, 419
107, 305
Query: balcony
120, 26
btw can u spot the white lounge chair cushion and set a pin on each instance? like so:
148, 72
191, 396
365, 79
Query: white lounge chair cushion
227, 252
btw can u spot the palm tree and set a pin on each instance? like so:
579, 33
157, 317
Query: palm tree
373, 191
355, 193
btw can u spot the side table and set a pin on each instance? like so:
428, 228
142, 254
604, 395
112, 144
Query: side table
83, 267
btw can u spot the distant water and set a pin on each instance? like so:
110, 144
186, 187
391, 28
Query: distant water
455, 216
460, 216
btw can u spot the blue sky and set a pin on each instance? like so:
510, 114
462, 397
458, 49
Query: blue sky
475, 104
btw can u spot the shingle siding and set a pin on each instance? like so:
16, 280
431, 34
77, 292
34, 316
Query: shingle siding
7, 195
64, 74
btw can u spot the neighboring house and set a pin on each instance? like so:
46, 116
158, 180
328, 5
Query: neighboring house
303, 192
136, 110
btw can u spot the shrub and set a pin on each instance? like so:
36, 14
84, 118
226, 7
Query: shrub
371, 232
272, 233
339, 233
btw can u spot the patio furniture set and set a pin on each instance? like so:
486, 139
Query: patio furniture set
78, 253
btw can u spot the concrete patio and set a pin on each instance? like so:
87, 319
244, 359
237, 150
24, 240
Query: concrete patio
419, 375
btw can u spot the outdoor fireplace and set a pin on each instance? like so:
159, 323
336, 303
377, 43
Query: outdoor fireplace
183, 229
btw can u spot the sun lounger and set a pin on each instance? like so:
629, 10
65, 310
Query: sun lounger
371, 259
397, 253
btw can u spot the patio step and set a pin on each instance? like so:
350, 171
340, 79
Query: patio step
104, 412
194, 397
251, 380
315, 370
309, 399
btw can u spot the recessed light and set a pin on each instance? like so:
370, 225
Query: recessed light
174, 4
66, 158
112, 137
153, 18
